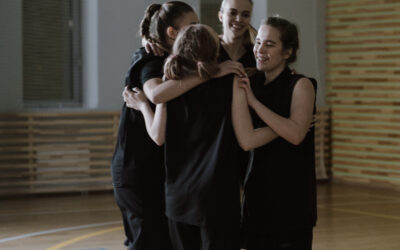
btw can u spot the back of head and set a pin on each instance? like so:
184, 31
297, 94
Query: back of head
162, 16
195, 51
288, 34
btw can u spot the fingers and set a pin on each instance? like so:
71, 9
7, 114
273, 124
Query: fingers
147, 47
136, 90
157, 51
238, 69
160, 52
242, 71
154, 49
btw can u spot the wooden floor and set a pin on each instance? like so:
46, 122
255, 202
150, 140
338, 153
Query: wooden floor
350, 218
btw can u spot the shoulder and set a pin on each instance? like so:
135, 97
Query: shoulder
300, 79
141, 56
304, 84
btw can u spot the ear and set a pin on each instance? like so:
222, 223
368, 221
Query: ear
171, 32
220, 16
287, 53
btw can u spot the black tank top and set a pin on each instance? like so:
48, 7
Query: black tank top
280, 191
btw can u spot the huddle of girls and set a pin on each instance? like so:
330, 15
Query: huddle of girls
189, 119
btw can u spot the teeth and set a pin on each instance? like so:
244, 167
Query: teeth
261, 59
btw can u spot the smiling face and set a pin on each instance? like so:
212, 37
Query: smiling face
235, 16
268, 50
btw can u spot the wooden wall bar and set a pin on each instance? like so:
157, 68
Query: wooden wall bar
56, 152
71, 152
363, 79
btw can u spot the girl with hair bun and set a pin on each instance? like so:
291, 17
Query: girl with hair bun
202, 185
137, 166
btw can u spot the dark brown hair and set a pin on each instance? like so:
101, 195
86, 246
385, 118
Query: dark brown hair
164, 15
195, 51
288, 33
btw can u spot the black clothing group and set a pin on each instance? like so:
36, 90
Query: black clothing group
199, 166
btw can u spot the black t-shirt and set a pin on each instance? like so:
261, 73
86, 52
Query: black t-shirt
137, 160
248, 61
201, 152
280, 193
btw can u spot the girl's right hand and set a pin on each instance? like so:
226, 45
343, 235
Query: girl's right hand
230, 67
152, 47
135, 99
245, 84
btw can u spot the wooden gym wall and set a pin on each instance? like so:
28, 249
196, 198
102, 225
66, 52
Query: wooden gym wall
363, 82
56, 152
71, 152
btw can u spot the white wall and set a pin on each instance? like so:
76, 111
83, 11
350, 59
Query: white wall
118, 23
109, 38
309, 15
10, 55
260, 10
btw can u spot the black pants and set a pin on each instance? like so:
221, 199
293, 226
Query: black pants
144, 221
290, 240
216, 237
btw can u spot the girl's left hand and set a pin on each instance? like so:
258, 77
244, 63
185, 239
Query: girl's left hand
245, 84
135, 99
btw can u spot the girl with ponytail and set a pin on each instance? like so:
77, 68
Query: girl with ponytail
138, 163
202, 185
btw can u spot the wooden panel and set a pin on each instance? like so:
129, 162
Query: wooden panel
68, 152
56, 152
323, 144
363, 81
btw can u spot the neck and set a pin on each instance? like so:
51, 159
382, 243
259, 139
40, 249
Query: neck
272, 74
234, 47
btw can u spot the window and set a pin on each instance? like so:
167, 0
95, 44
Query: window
51, 53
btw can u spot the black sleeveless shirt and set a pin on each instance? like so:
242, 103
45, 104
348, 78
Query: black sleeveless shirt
280, 191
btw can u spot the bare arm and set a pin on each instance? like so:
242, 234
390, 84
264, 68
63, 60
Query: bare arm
247, 136
155, 122
170, 89
294, 128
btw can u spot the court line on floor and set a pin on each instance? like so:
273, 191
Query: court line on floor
358, 203
22, 236
57, 212
391, 217
83, 237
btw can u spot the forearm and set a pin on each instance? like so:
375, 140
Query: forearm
284, 127
159, 124
153, 123
247, 136
162, 92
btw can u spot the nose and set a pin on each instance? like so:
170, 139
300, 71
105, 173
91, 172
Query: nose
262, 49
238, 17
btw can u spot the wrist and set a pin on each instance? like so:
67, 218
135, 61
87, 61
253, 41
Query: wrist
254, 103
143, 106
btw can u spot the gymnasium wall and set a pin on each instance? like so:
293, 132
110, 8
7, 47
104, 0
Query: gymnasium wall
363, 82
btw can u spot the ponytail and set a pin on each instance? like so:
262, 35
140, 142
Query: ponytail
162, 16
146, 22
172, 68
